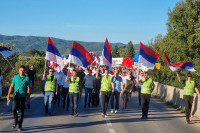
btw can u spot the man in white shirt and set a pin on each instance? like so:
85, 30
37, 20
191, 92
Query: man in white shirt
90, 84
65, 90
59, 75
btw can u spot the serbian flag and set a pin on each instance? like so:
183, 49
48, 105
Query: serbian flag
97, 59
106, 55
6, 52
80, 56
64, 57
185, 65
147, 56
53, 54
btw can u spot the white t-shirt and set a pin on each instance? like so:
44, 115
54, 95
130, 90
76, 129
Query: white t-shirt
65, 84
59, 76
1, 78
140, 77
89, 81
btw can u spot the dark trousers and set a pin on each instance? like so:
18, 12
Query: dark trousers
74, 101
145, 99
57, 97
18, 104
98, 87
105, 96
65, 94
139, 94
88, 91
188, 100
114, 95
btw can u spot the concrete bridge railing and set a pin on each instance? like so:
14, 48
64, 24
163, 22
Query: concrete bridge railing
174, 96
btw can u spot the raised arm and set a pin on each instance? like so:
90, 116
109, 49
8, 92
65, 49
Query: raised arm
179, 79
97, 74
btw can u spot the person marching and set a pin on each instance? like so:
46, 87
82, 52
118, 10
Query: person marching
51, 88
141, 75
128, 84
188, 93
65, 90
90, 84
74, 88
116, 91
106, 88
21, 84
59, 75
147, 87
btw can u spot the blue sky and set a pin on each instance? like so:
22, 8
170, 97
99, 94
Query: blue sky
86, 20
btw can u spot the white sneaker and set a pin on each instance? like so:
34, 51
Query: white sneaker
116, 111
112, 111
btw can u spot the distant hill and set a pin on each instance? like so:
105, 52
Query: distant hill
25, 43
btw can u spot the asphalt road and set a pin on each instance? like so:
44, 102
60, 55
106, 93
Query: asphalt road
162, 119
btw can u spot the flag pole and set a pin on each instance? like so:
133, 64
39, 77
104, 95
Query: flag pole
9, 63
138, 67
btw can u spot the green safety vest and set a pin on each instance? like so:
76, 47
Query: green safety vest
189, 88
50, 85
106, 83
74, 85
146, 86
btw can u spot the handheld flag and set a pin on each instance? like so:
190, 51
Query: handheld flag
6, 52
53, 54
97, 59
185, 65
106, 55
80, 56
147, 56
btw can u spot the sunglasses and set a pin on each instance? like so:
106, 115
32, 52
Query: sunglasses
50, 71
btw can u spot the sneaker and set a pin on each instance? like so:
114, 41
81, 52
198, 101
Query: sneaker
76, 115
116, 111
189, 122
14, 126
111, 111
103, 115
106, 116
19, 129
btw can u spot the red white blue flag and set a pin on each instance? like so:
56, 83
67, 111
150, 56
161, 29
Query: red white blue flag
184, 65
97, 59
106, 55
80, 56
147, 56
53, 54
6, 52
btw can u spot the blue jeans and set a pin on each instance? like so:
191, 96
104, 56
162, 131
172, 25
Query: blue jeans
116, 95
88, 91
74, 101
48, 98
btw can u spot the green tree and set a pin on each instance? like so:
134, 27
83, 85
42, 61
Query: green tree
115, 51
67, 51
181, 43
130, 52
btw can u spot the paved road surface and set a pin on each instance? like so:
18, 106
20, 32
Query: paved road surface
162, 119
